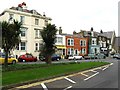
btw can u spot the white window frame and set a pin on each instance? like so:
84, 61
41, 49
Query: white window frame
83, 51
20, 46
71, 42
59, 40
70, 51
36, 21
23, 29
37, 33
75, 51
38, 47
22, 19
82, 42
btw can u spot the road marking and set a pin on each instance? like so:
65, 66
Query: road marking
105, 68
68, 88
44, 87
91, 76
54, 79
69, 80
93, 71
84, 74
111, 64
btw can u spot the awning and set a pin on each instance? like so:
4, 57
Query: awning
61, 46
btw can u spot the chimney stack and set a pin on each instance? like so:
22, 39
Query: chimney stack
60, 30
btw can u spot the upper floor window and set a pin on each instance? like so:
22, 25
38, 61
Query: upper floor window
11, 17
23, 32
37, 33
36, 21
82, 43
59, 40
70, 42
46, 22
22, 19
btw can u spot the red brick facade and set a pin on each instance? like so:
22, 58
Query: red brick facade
76, 45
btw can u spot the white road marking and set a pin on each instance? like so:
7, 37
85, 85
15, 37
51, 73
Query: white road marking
84, 74
91, 76
68, 88
111, 64
93, 71
58, 78
69, 80
105, 68
44, 87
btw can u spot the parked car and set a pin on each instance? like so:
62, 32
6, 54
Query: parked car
54, 57
86, 57
27, 58
11, 60
92, 56
75, 57
116, 55
100, 56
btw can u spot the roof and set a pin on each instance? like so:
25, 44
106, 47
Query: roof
107, 34
23, 8
117, 41
71, 35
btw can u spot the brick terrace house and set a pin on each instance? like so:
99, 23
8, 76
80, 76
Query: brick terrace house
76, 45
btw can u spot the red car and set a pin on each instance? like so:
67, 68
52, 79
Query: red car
27, 58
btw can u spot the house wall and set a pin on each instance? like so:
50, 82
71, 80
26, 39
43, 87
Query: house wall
77, 47
29, 23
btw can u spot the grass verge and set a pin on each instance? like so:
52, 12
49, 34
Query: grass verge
39, 72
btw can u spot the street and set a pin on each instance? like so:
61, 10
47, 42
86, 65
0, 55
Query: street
103, 77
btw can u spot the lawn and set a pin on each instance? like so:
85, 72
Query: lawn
22, 73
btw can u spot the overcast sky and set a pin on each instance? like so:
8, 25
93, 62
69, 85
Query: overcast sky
74, 14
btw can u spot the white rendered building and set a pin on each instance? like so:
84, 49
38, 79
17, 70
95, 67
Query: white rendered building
32, 24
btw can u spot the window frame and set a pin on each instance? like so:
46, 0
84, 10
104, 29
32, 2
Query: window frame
22, 19
70, 42
36, 21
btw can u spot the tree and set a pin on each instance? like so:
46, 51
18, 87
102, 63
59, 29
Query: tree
10, 37
48, 48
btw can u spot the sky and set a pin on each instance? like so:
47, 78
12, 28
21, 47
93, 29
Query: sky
74, 15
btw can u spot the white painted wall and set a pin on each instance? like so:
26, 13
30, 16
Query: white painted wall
30, 24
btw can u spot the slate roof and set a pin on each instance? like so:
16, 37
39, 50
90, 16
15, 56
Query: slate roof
107, 34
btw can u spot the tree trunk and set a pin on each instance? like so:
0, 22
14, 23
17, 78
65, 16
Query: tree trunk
6, 59
48, 59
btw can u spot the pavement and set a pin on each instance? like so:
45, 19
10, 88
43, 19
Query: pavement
101, 77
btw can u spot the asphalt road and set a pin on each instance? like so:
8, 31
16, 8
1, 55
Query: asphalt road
104, 78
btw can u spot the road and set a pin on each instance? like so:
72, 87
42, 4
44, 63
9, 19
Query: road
104, 77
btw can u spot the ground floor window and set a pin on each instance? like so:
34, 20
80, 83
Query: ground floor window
83, 51
70, 51
38, 46
21, 46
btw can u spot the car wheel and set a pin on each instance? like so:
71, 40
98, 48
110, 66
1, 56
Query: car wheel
13, 62
24, 60
35, 60
58, 59
74, 58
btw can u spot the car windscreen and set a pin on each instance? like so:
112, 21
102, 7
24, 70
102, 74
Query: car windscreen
2, 55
